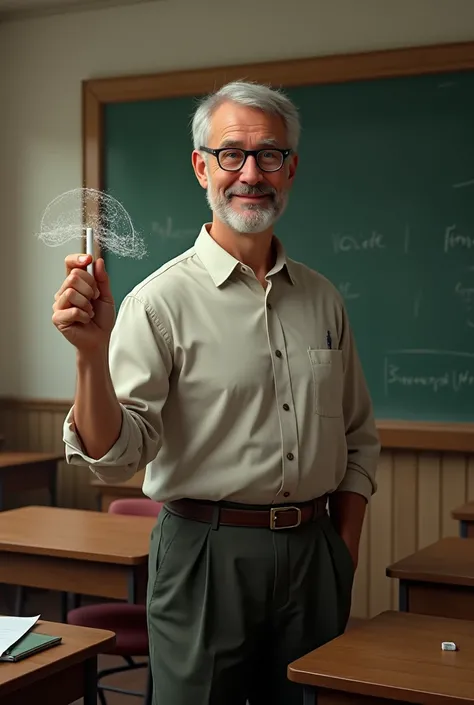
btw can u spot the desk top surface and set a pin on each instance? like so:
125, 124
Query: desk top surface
464, 513
396, 655
8, 460
77, 534
448, 561
78, 644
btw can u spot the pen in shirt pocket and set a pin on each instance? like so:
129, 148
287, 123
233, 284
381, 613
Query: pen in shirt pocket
329, 340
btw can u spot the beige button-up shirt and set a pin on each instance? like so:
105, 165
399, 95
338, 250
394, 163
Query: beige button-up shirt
232, 391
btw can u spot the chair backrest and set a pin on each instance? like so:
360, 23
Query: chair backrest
136, 506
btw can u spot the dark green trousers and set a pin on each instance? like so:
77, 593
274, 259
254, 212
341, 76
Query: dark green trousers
230, 607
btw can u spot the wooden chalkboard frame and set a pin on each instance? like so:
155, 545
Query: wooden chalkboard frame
96, 93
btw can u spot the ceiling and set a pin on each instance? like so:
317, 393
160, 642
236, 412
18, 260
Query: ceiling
17, 9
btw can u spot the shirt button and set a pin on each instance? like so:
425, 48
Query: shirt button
290, 456
286, 494
243, 269
278, 353
286, 407
269, 306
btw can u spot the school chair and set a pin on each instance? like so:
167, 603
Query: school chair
127, 621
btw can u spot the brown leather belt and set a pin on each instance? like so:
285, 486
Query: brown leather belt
280, 517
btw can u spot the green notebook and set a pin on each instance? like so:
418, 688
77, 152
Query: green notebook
30, 644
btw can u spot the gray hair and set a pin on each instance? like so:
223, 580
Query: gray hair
252, 95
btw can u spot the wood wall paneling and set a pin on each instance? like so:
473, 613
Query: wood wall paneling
36, 425
411, 509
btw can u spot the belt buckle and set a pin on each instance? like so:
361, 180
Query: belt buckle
274, 517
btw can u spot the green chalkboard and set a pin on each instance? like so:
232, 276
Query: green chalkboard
383, 205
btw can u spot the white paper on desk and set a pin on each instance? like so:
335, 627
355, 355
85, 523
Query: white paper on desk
12, 629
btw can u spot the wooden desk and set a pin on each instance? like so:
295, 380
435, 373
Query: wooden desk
393, 658
58, 675
465, 516
438, 580
76, 551
28, 471
108, 492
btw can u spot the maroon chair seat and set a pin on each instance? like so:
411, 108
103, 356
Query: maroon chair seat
137, 506
127, 621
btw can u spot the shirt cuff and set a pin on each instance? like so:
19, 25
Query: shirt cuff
357, 481
118, 464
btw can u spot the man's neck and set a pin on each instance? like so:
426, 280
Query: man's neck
252, 249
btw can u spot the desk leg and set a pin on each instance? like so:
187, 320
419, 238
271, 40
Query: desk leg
132, 587
403, 596
53, 486
64, 606
90, 681
69, 601
19, 600
463, 529
309, 695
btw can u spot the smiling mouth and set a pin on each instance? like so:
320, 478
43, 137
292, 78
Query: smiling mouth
251, 198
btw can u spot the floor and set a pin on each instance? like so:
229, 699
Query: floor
47, 605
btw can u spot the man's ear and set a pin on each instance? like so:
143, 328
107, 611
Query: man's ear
292, 167
200, 168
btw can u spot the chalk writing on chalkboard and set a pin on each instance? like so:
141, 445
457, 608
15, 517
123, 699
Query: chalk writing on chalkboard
463, 184
417, 303
466, 295
347, 292
353, 243
465, 292
454, 239
168, 231
433, 370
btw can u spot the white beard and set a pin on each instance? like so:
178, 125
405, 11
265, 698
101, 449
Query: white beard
256, 217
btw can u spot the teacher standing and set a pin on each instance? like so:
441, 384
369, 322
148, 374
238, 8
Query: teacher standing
231, 373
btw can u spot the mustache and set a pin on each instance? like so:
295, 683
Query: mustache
246, 190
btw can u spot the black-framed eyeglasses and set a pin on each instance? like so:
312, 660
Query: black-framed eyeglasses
233, 158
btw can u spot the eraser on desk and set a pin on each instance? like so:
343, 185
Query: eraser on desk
448, 646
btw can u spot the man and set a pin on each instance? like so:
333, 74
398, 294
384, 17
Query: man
232, 374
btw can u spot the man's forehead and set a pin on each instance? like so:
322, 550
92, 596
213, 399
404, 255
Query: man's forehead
236, 122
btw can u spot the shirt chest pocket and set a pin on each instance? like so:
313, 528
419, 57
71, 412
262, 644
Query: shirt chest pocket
326, 366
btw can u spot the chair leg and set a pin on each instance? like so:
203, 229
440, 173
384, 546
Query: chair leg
149, 688
101, 696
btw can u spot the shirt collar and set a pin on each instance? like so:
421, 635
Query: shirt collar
220, 264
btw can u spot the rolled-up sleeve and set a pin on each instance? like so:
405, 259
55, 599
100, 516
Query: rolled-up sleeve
363, 445
140, 364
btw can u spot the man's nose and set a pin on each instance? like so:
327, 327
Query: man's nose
250, 173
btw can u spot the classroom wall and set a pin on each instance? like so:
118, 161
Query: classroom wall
42, 64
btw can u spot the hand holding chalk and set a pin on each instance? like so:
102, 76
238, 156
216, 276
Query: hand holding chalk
83, 309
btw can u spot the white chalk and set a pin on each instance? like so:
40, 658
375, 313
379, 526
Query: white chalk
90, 249
448, 646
